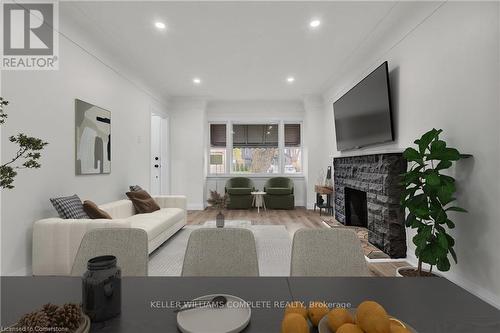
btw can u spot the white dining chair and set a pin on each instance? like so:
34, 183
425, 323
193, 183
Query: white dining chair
221, 252
327, 252
128, 245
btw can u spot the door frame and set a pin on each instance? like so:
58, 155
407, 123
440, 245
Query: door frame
164, 148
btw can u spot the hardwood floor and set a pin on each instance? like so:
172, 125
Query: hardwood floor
293, 220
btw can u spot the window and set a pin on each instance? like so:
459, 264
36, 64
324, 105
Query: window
293, 150
255, 149
274, 148
218, 143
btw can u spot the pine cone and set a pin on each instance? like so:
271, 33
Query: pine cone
34, 319
68, 316
50, 309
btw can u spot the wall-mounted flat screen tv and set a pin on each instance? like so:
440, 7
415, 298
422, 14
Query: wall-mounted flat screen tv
363, 116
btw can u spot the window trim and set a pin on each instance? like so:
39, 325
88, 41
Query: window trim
281, 148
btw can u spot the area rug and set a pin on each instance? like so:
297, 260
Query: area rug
273, 245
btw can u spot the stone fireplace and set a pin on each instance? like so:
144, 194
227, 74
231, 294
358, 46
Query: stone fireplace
367, 193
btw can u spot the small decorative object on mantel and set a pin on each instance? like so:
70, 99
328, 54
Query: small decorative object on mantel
101, 289
428, 197
218, 202
328, 180
28, 152
53, 318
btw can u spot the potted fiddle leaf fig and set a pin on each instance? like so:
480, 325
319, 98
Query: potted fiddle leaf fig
429, 199
218, 202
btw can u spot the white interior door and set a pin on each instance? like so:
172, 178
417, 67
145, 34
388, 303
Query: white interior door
156, 154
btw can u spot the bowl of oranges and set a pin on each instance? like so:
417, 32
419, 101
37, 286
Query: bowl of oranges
369, 317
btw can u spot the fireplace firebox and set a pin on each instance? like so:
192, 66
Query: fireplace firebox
356, 208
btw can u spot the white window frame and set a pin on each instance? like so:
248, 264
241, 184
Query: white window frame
229, 140
301, 146
281, 147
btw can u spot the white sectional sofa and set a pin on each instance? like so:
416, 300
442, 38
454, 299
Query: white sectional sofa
56, 241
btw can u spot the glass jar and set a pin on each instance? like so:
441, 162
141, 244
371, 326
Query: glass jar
101, 289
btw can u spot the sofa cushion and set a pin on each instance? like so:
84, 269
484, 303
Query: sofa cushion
239, 191
94, 212
69, 207
120, 209
143, 202
156, 223
279, 190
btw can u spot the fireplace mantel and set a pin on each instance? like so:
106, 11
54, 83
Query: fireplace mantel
377, 174
355, 153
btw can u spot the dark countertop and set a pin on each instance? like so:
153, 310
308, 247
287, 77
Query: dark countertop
428, 304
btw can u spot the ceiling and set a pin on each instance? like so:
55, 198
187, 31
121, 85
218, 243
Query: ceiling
240, 50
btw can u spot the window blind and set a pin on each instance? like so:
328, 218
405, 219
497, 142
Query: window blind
218, 135
292, 135
255, 136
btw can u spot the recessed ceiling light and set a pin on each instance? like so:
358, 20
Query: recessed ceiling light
314, 23
196, 80
290, 79
160, 25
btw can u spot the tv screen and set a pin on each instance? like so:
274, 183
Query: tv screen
363, 115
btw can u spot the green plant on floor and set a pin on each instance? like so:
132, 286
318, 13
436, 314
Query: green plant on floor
218, 201
429, 197
27, 156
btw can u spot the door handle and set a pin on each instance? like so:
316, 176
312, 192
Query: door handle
157, 166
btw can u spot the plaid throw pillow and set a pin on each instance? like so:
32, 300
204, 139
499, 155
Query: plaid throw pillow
69, 207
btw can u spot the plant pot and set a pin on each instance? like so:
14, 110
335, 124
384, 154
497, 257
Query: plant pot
400, 272
219, 220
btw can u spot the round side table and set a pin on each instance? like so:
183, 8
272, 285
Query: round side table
258, 200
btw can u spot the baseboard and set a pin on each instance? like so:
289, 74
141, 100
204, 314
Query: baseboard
191, 206
382, 260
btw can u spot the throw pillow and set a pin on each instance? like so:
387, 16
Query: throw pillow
95, 212
69, 207
143, 202
135, 188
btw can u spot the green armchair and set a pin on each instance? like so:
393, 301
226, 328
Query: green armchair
279, 193
239, 191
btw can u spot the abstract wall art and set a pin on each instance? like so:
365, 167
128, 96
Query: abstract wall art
93, 139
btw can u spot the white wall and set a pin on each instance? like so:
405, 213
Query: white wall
42, 105
316, 153
255, 110
445, 74
188, 137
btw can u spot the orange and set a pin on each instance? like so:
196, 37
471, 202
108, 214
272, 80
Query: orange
294, 323
349, 328
337, 317
369, 307
316, 311
372, 317
375, 323
296, 307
